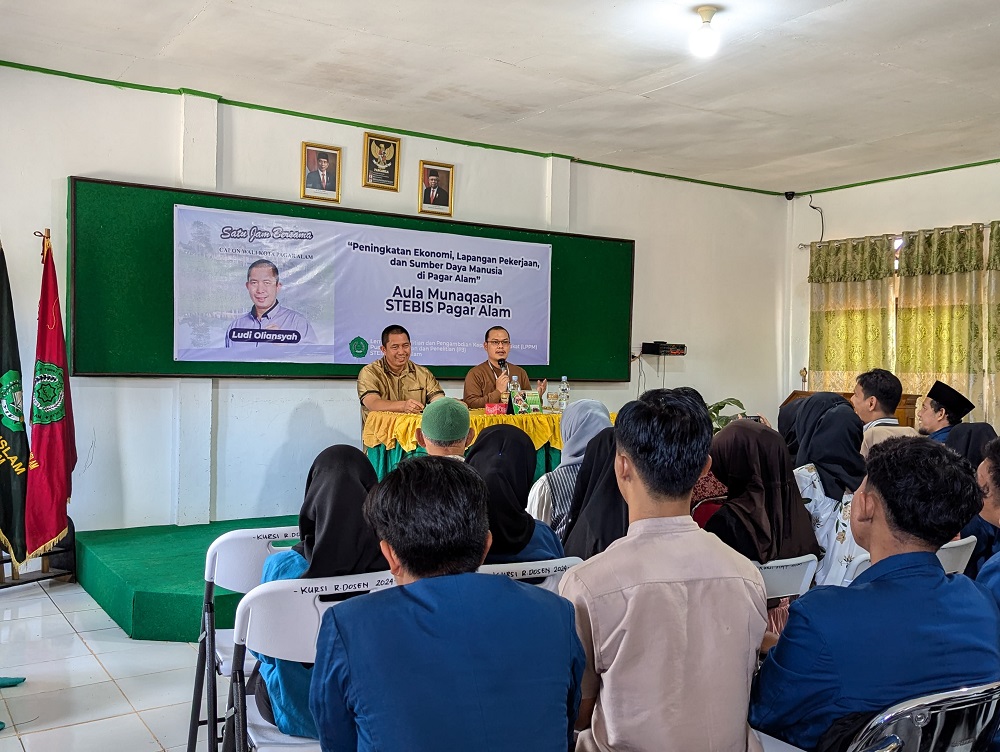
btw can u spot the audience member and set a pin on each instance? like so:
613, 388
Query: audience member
550, 497
876, 396
669, 616
986, 525
597, 512
970, 440
335, 540
445, 428
763, 517
450, 659
787, 415
707, 498
942, 408
903, 628
829, 467
505, 457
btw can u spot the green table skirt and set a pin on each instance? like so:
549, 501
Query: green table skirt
385, 460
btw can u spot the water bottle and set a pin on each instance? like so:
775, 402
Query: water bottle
563, 394
515, 387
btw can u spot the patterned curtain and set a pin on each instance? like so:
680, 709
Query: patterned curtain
939, 323
851, 310
992, 390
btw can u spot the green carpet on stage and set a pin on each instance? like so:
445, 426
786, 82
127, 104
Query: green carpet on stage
151, 580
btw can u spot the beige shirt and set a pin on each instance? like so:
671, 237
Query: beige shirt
481, 384
415, 383
877, 434
671, 620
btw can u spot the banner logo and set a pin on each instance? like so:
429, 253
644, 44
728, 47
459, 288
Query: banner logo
49, 396
11, 405
359, 347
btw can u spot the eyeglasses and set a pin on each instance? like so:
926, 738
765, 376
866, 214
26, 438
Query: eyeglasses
498, 342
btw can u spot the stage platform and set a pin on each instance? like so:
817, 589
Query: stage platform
151, 580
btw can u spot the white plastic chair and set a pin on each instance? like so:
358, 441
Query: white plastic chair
770, 744
787, 577
552, 570
282, 619
234, 561
955, 555
859, 564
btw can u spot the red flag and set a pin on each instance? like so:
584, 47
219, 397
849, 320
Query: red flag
52, 432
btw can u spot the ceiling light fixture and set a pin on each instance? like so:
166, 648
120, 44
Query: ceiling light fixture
705, 39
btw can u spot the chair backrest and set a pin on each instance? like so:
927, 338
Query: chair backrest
960, 720
282, 618
786, 577
955, 555
235, 559
858, 564
551, 570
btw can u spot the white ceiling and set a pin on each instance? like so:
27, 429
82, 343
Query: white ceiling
804, 94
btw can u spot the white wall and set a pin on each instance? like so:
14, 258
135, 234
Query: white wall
711, 266
939, 200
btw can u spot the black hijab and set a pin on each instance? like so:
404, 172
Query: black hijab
830, 435
335, 538
969, 439
598, 513
505, 457
787, 414
764, 517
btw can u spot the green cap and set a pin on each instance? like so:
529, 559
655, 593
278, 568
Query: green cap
445, 419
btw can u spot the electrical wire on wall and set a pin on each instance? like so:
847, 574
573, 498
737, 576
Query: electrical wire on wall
822, 223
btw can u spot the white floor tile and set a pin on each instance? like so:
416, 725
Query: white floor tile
109, 640
158, 690
41, 651
13, 744
34, 629
56, 675
170, 725
66, 707
125, 732
90, 621
76, 601
27, 608
148, 659
60, 585
8, 730
31, 590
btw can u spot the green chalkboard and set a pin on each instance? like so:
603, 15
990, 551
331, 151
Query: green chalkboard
121, 286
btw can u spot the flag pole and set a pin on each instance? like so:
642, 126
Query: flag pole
46, 236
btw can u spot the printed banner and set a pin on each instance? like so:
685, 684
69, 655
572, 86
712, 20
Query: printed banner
256, 287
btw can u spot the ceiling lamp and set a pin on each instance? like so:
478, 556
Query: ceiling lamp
705, 39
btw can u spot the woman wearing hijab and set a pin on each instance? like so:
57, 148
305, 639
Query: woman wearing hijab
505, 457
334, 540
763, 516
551, 495
829, 469
598, 514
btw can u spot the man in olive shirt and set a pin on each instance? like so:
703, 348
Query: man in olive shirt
487, 382
393, 383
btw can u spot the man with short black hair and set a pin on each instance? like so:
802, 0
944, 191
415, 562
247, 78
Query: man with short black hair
875, 399
394, 383
903, 628
671, 618
487, 382
321, 179
942, 408
268, 322
446, 429
449, 659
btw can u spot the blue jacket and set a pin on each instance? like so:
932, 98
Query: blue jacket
901, 630
544, 545
458, 662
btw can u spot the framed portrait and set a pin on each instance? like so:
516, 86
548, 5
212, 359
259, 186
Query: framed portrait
381, 163
320, 172
436, 189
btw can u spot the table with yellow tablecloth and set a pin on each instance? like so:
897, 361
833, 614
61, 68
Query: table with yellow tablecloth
389, 437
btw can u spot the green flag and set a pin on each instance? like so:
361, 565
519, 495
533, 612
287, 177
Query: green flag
14, 455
